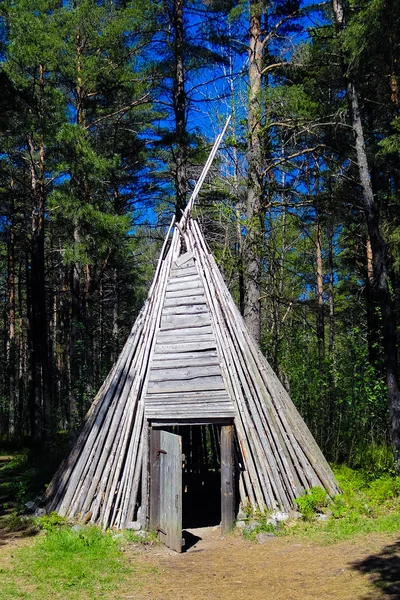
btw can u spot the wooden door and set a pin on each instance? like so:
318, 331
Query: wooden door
170, 508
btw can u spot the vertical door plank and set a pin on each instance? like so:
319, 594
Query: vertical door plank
170, 529
227, 479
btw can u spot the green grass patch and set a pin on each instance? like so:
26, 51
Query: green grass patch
369, 503
66, 564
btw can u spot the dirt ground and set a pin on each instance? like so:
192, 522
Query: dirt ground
366, 568
216, 568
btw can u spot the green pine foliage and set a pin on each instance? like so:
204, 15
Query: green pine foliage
89, 145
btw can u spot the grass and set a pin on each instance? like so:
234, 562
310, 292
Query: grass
61, 562
64, 563
87, 563
369, 503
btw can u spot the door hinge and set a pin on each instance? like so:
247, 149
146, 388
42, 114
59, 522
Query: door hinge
161, 530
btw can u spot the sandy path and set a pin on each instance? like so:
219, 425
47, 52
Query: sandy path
281, 569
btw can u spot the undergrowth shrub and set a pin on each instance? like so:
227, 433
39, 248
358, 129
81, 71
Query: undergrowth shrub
311, 501
51, 522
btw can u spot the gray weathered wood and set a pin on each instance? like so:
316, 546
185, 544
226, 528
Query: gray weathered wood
185, 347
182, 322
195, 329
170, 356
189, 359
185, 300
227, 479
185, 293
187, 339
184, 258
184, 373
185, 309
201, 361
154, 512
183, 272
198, 383
191, 395
170, 527
183, 284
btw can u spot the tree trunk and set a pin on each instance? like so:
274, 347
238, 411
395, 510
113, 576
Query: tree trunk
10, 344
41, 384
320, 294
255, 212
378, 252
331, 294
115, 325
373, 324
19, 429
76, 335
179, 104
78, 296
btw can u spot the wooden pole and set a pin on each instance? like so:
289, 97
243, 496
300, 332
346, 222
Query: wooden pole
154, 480
227, 479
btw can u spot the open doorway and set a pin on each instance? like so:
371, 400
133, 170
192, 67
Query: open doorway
201, 477
192, 479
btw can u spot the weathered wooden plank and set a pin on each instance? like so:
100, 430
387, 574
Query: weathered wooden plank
160, 421
174, 412
205, 395
187, 267
176, 338
227, 479
188, 293
183, 284
189, 415
170, 528
205, 354
181, 321
202, 361
185, 310
186, 347
185, 300
152, 401
178, 398
183, 272
174, 408
187, 278
164, 404
184, 373
181, 332
200, 383
184, 258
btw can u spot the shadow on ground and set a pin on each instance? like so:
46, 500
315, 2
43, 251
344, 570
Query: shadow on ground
190, 540
383, 570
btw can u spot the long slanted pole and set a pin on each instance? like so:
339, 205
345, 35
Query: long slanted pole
203, 175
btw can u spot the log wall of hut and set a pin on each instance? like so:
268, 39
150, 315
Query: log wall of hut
170, 372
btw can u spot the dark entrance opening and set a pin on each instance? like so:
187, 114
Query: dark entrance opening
201, 474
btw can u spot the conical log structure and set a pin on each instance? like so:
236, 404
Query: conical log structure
188, 358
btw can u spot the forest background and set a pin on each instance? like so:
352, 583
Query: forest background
108, 112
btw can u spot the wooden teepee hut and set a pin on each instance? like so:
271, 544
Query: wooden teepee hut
189, 371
